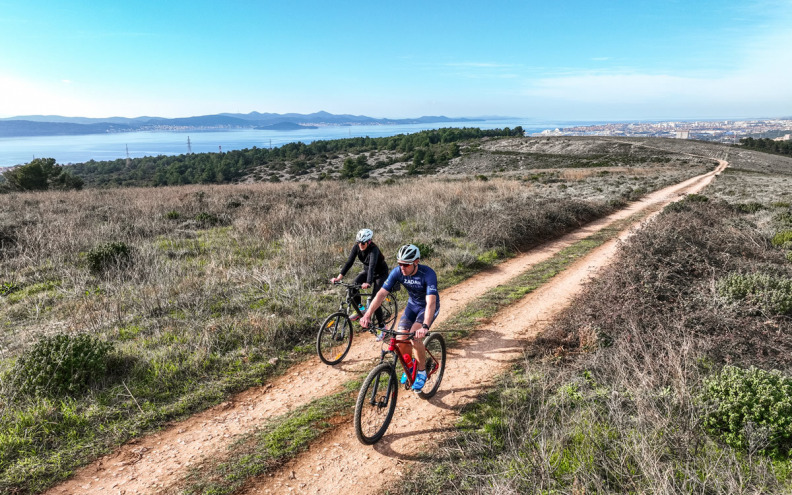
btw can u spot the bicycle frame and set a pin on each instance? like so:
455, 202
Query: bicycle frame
398, 356
348, 302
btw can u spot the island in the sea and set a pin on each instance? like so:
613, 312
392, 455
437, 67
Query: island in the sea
285, 126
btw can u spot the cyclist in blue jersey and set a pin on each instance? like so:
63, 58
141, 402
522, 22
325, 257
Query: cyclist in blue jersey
423, 306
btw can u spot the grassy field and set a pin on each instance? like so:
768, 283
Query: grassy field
203, 291
671, 373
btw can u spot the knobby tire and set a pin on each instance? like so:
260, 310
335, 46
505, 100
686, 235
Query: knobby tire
376, 404
334, 338
435, 361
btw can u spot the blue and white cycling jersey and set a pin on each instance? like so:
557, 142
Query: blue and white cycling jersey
418, 286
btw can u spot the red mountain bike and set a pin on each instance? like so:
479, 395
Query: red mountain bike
376, 401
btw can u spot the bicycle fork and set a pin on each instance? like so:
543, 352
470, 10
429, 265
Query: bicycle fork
382, 403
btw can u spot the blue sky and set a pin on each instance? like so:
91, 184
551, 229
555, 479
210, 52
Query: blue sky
573, 60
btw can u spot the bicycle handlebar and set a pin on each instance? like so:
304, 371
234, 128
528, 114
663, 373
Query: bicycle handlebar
396, 333
345, 284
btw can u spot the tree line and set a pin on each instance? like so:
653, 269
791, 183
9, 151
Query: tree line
424, 151
41, 174
767, 145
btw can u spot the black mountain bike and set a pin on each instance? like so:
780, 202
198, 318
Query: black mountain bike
376, 401
335, 335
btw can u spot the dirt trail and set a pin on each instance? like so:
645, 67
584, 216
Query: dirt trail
340, 463
158, 462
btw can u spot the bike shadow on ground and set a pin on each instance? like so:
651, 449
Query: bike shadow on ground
387, 448
439, 399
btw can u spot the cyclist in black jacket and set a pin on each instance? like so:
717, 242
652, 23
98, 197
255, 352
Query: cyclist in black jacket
375, 270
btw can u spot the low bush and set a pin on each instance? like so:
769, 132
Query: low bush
751, 207
207, 219
7, 288
107, 255
60, 365
782, 239
765, 292
750, 408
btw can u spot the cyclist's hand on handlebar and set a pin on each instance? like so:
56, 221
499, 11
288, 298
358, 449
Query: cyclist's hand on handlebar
421, 333
365, 321
365, 285
335, 280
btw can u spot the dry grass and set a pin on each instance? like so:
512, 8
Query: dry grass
607, 400
221, 279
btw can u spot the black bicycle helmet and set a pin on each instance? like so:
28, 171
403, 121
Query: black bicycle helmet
408, 253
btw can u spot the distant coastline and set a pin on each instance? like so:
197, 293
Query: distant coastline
285, 126
56, 125
174, 140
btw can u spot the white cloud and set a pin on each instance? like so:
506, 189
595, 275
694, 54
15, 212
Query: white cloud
485, 65
758, 86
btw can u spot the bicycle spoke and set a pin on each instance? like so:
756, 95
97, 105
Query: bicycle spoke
376, 404
334, 338
435, 364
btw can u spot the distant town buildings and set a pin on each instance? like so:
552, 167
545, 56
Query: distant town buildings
724, 131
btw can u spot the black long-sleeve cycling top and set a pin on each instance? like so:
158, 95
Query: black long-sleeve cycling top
372, 259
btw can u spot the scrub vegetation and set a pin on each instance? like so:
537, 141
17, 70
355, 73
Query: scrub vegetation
670, 373
162, 302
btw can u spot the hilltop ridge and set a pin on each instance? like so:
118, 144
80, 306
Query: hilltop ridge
56, 125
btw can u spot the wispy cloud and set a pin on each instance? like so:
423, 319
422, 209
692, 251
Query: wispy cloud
484, 65
757, 83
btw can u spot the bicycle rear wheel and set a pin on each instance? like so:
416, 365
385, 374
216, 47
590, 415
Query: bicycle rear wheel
376, 403
390, 311
334, 338
435, 364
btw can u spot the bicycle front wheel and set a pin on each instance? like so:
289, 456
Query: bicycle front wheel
376, 403
334, 338
435, 364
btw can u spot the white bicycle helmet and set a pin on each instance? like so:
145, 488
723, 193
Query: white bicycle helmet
408, 253
364, 235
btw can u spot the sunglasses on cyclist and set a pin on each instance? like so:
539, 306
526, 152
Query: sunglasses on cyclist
406, 264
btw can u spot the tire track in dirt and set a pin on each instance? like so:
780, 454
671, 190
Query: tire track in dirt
158, 462
341, 464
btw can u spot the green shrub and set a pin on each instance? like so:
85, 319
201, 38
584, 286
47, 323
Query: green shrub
676, 207
752, 207
425, 249
696, 198
60, 365
107, 255
750, 408
207, 219
7, 288
173, 215
782, 238
765, 292
784, 218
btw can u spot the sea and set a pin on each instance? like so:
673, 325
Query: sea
111, 146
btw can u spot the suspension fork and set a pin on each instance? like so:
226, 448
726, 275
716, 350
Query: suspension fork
391, 383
